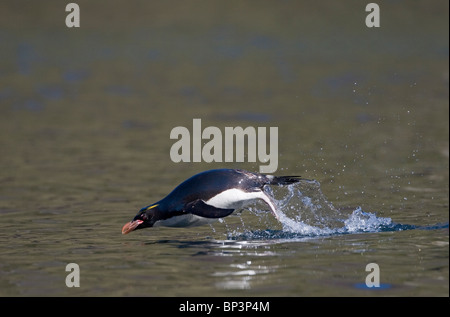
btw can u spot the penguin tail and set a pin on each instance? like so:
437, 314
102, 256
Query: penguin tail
284, 180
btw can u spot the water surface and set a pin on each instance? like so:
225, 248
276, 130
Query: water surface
85, 119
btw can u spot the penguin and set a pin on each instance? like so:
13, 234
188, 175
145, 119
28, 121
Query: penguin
207, 196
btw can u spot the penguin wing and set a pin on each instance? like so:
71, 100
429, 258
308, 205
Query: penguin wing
200, 208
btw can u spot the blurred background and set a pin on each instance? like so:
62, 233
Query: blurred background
86, 113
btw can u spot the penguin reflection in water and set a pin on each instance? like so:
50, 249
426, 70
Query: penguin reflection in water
207, 196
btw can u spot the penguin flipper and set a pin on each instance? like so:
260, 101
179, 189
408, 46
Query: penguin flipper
200, 208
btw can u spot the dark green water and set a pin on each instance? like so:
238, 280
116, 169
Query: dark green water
85, 119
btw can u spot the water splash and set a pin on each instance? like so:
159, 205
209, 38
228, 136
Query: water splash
305, 212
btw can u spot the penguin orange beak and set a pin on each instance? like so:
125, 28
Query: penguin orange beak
130, 226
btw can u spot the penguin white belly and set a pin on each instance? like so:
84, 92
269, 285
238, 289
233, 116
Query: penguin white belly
187, 220
235, 198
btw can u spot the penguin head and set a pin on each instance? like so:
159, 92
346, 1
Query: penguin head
145, 218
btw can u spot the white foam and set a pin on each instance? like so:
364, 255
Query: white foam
305, 211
